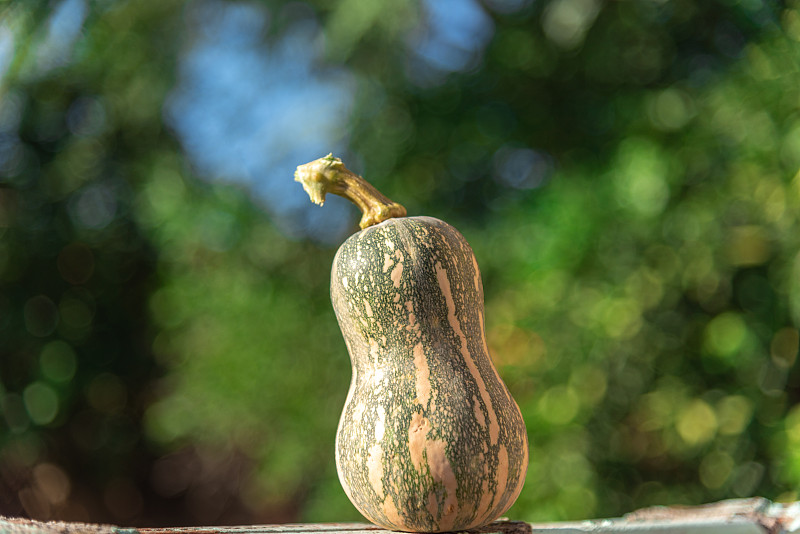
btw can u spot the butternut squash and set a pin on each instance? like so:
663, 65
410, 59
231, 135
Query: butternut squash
430, 440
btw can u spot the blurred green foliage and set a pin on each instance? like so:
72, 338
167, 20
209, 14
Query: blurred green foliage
626, 172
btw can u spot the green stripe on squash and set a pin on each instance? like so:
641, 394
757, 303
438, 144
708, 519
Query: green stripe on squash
430, 440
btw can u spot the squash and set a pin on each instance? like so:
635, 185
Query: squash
430, 439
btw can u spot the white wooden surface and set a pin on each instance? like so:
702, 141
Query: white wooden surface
740, 516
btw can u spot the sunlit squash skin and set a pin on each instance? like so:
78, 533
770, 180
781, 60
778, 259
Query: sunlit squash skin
430, 440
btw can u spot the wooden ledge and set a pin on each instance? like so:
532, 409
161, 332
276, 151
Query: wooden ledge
738, 516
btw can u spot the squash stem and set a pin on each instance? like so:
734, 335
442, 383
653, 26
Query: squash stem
329, 175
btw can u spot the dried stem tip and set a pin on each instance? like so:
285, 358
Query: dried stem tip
329, 175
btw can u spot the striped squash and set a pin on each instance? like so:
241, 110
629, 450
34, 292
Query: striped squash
430, 440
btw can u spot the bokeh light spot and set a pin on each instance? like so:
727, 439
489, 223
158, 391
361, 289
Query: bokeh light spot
162, 196
670, 109
515, 346
792, 426
58, 361
590, 382
559, 405
621, 318
6, 49
790, 151
645, 286
748, 245
656, 410
522, 168
697, 423
75, 313
16, 417
725, 334
41, 316
791, 23
41, 402
784, 347
94, 207
715, 469
52, 482
86, 117
165, 307
734, 413
566, 22
572, 470
63, 29
641, 178
80, 163
746, 478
